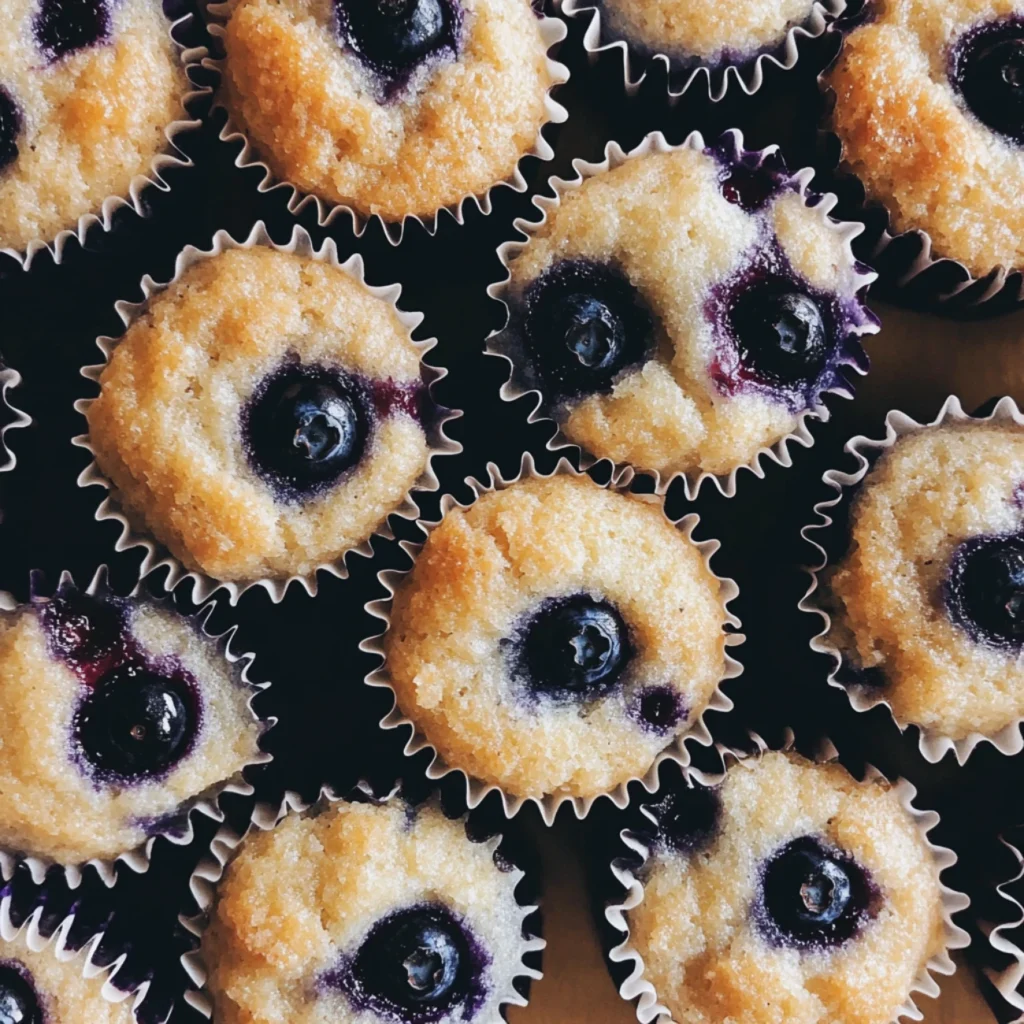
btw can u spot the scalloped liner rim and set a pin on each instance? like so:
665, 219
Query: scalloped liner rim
1007, 982
10, 379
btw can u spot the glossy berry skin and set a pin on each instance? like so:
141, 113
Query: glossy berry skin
987, 68
10, 129
985, 590
82, 629
583, 324
573, 649
19, 1003
62, 27
813, 896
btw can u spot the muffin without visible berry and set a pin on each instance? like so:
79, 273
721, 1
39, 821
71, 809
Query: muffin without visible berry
927, 605
790, 892
364, 914
265, 414
117, 714
87, 90
396, 108
930, 112
682, 311
555, 636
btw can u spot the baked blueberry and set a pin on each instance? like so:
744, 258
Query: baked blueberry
83, 630
686, 818
63, 26
987, 68
584, 325
19, 1003
660, 709
10, 129
985, 590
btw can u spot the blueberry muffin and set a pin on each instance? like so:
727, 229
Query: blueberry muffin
265, 414
397, 108
87, 91
790, 892
364, 914
555, 636
117, 715
682, 311
927, 604
930, 111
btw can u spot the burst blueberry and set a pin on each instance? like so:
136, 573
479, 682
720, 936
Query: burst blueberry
18, 1001
80, 628
987, 67
985, 590
687, 818
62, 27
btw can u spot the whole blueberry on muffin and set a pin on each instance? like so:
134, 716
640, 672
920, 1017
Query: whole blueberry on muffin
683, 310
930, 111
264, 415
927, 603
87, 89
392, 107
555, 637
365, 914
117, 714
776, 894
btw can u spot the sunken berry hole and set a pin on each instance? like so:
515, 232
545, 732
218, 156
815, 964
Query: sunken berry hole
659, 709
984, 591
986, 68
687, 818
19, 1001
11, 125
62, 27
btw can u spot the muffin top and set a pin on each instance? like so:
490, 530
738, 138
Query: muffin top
265, 414
790, 892
86, 92
930, 111
680, 312
706, 29
928, 602
364, 914
555, 636
38, 988
394, 109
116, 715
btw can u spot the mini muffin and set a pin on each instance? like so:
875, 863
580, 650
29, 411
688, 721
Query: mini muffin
263, 415
682, 311
927, 604
397, 108
363, 914
555, 637
116, 716
87, 91
788, 892
930, 111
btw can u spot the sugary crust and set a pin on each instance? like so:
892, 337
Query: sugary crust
93, 121
166, 426
485, 567
709, 963
663, 220
48, 807
67, 996
707, 28
928, 493
912, 141
297, 899
309, 108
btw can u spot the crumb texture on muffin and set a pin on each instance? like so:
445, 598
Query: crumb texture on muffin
90, 121
469, 599
695, 928
167, 427
455, 129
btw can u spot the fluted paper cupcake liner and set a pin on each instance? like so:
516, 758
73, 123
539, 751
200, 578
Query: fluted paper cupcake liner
10, 379
178, 828
638, 989
171, 157
228, 842
477, 790
933, 745
134, 534
852, 359
553, 31
1008, 980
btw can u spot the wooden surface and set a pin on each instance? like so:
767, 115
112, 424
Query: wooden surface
917, 361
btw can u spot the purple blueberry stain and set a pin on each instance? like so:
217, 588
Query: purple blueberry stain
11, 125
658, 709
62, 27
687, 819
983, 592
748, 178
20, 1002
418, 965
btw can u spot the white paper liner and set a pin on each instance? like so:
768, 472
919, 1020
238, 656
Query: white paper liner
932, 744
181, 831
637, 988
135, 535
10, 379
227, 843
1008, 981
516, 386
553, 32
717, 75
548, 805
171, 157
